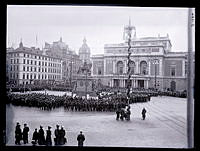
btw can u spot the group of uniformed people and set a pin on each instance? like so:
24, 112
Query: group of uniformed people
39, 136
21, 135
49, 102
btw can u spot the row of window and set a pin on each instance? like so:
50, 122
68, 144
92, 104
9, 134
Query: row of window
42, 58
35, 69
14, 55
14, 61
14, 75
40, 63
40, 76
14, 68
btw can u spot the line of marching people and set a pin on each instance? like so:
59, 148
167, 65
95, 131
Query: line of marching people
39, 136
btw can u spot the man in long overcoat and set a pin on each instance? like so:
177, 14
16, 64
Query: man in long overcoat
80, 139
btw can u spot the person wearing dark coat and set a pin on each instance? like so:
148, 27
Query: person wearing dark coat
48, 137
80, 139
41, 138
143, 113
56, 133
62, 136
118, 114
35, 137
18, 134
122, 114
25, 133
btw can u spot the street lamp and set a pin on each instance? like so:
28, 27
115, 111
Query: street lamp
155, 62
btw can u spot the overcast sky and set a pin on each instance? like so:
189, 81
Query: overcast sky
100, 25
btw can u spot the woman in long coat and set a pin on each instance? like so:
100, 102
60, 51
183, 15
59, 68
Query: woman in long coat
41, 138
48, 137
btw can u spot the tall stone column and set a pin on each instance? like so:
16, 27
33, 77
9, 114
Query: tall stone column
137, 66
125, 66
104, 67
149, 73
160, 67
91, 69
114, 65
183, 68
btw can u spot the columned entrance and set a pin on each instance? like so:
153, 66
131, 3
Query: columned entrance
173, 86
140, 83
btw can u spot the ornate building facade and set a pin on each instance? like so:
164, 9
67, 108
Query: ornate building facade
70, 60
153, 64
32, 66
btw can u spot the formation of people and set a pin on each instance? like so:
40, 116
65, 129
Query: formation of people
39, 138
109, 103
124, 113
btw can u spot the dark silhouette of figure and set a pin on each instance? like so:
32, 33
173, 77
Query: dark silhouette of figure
128, 114
144, 113
48, 137
35, 137
118, 114
18, 134
122, 114
25, 134
56, 133
80, 139
41, 138
62, 133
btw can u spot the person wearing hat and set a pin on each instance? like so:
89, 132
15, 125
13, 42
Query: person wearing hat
80, 139
56, 133
25, 133
48, 137
18, 134
35, 137
41, 138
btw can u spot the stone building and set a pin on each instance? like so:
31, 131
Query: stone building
70, 60
32, 66
153, 65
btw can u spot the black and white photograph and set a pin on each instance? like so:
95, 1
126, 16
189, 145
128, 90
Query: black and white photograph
100, 76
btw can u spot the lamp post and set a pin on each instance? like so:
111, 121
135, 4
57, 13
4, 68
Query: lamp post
155, 62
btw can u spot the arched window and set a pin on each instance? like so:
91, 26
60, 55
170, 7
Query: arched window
132, 66
120, 67
143, 67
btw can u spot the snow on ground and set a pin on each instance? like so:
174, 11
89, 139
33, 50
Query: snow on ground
165, 124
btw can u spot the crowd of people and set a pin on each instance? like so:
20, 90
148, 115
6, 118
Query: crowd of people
39, 138
48, 102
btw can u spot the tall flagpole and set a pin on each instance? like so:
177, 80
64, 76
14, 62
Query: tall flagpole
190, 78
128, 30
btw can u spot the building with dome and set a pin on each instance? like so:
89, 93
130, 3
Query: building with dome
153, 65
70, 60
84, 52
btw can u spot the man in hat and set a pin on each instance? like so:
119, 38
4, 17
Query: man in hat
18, 134
56, 133
48, 137
80, 139
41, 138
25, 134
